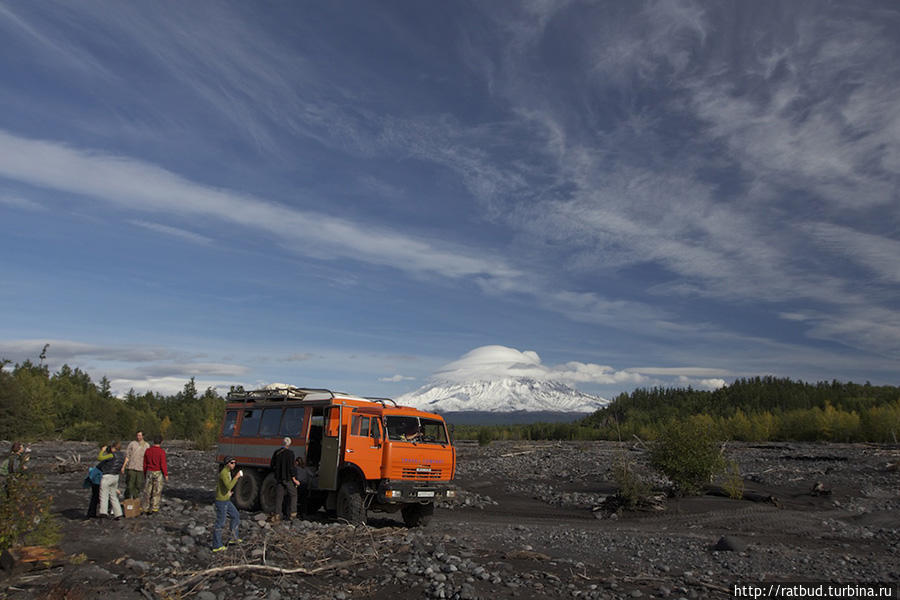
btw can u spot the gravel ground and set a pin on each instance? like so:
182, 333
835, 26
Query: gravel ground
528, 523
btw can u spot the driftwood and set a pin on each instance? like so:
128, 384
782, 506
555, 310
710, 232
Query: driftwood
521, 452
25, 558
251, 568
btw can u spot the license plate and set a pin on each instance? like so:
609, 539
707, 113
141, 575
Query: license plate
426, 494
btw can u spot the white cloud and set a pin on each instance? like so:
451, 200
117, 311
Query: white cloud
60, 351
183, 234
21, 203
396, 378
495, 362
166, 386
706, 384
133, 185
678, 371
878, 254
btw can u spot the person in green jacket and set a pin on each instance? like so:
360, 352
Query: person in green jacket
224, 507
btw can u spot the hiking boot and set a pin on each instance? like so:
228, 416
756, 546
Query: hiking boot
274, 518
235, 541
219, 549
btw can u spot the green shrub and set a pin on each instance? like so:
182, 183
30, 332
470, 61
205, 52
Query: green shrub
484, 436
733, 482
25, 516
687, 452
632, 488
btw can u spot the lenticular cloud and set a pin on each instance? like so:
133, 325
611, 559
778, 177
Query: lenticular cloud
493, 362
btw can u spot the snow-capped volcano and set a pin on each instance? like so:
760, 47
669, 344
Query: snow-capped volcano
509, 394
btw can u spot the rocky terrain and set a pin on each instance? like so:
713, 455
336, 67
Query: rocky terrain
532, 521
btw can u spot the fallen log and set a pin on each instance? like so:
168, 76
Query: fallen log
25, 558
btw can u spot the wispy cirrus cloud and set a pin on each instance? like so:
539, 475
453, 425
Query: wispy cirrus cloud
137, 186
60, 351
396, 378
20, 202
177, 232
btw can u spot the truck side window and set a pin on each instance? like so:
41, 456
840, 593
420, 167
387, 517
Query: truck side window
250, 422
360, 426
230, 420
271, 421
292, 422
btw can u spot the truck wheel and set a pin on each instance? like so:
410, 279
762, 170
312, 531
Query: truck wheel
350, 503
246, 491
417, 515
267, 495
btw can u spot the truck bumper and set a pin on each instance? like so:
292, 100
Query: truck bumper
405, 492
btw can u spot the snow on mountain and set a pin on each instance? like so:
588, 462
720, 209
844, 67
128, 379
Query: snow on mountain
507, 394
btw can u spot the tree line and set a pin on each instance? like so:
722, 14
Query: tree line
750, 409
38, 404
35, 404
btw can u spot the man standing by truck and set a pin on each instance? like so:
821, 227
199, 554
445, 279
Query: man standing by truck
282, 465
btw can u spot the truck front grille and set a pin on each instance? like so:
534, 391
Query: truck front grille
414, 473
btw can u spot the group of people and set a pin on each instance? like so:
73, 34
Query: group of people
293, 479
145, 470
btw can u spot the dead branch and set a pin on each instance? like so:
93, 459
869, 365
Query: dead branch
248, 568
508, 454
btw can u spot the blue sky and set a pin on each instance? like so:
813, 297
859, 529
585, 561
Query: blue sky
356, 195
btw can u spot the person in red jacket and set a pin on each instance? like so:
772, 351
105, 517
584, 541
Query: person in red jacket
155, 470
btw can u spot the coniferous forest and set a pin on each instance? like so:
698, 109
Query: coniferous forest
37, 404
67, 404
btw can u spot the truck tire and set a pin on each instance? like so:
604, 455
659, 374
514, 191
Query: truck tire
267, 495
351, 505
246, 491
417, 515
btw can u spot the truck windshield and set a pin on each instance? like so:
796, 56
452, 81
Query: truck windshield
414, 429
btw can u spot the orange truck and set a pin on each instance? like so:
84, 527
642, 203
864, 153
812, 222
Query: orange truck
369, 454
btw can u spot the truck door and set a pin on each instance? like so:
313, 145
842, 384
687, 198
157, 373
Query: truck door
331, 449
364, 445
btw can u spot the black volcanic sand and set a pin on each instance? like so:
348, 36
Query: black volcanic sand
528, 524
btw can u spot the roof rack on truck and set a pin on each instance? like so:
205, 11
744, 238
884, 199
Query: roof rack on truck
277, 393
381, 401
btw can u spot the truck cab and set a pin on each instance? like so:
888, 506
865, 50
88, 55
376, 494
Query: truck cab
369, 454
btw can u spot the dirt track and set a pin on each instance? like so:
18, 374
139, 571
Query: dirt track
525, 526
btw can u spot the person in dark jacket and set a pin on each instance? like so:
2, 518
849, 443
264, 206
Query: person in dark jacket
112, 465
305, 478
282, 464
93, 479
